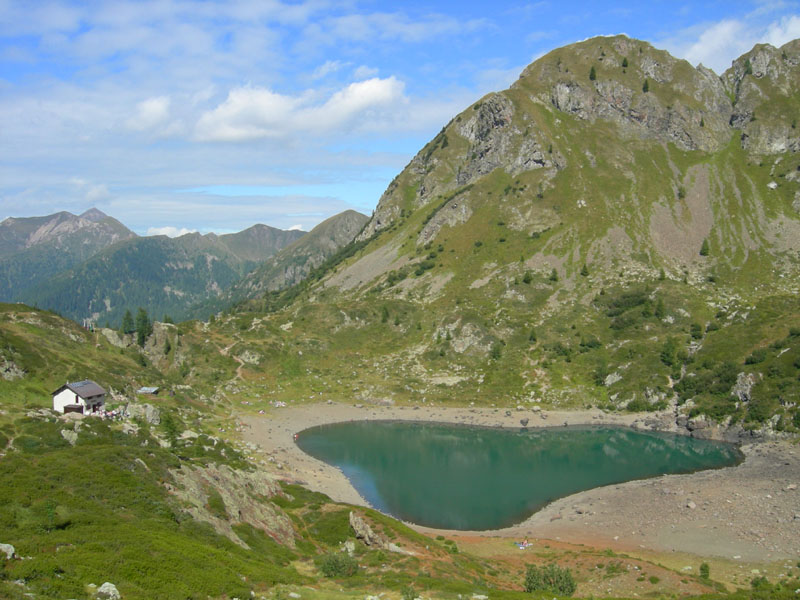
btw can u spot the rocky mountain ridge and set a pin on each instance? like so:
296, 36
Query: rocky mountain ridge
605, 232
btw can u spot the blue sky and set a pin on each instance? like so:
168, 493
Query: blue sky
212, 115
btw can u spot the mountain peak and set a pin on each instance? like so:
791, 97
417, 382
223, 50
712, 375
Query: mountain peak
93, 214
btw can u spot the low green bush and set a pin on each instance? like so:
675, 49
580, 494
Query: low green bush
550, 578
337, 564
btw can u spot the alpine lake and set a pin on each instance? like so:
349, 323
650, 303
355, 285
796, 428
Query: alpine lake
479, 478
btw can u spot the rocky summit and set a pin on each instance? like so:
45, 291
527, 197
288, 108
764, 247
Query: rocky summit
618, 228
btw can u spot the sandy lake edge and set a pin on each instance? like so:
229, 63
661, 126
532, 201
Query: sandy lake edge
749, 512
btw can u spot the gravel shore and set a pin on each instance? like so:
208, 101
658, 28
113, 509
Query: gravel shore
750, 512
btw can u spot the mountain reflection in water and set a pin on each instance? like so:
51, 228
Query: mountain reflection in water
458, 477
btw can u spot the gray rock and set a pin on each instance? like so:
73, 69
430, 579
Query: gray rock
364, 532
70, 435
691, 505
523, 422
108, 591
10, 371
743, 387
9, 551
698, 423
146, 412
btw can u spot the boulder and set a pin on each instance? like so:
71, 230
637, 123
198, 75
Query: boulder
108, 591
8, 550
364, 532
70, 435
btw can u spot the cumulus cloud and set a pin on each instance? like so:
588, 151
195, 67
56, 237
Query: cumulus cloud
718, 44
256, 113
297, 227
169, 231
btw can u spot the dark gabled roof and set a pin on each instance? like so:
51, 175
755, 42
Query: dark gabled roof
85, 389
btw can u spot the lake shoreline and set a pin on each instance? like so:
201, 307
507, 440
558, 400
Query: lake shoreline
740, 513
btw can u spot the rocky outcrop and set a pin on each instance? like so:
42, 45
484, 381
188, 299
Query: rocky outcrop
744, 386
243, 495
758, 80
146, 412
9, 370
365, 533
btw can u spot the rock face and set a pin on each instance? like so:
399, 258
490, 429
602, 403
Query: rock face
760, 81
242, 494
642, 92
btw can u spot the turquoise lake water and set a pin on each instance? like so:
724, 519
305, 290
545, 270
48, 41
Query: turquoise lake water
475, 478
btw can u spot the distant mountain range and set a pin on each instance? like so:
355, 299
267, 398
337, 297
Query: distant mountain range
91, 266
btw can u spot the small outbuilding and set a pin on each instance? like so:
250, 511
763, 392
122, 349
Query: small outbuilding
81, 396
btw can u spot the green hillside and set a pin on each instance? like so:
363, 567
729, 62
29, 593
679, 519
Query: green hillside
579, 239
617, 230
34, 249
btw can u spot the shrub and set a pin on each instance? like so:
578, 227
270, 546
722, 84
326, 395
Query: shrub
757, 356
705, 571
704, 248
550, 578
337, 564
527, 278
646, 86
592, 74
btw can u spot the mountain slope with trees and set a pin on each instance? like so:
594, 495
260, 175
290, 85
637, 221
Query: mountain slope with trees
36, 248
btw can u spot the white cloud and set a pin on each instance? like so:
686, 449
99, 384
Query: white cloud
398, 26
92, 192
328, 67
258, 113
169, 231
297, 227
364, 72
718, 44
150, 113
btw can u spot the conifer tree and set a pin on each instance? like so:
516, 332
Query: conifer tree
143, 326
127, 322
